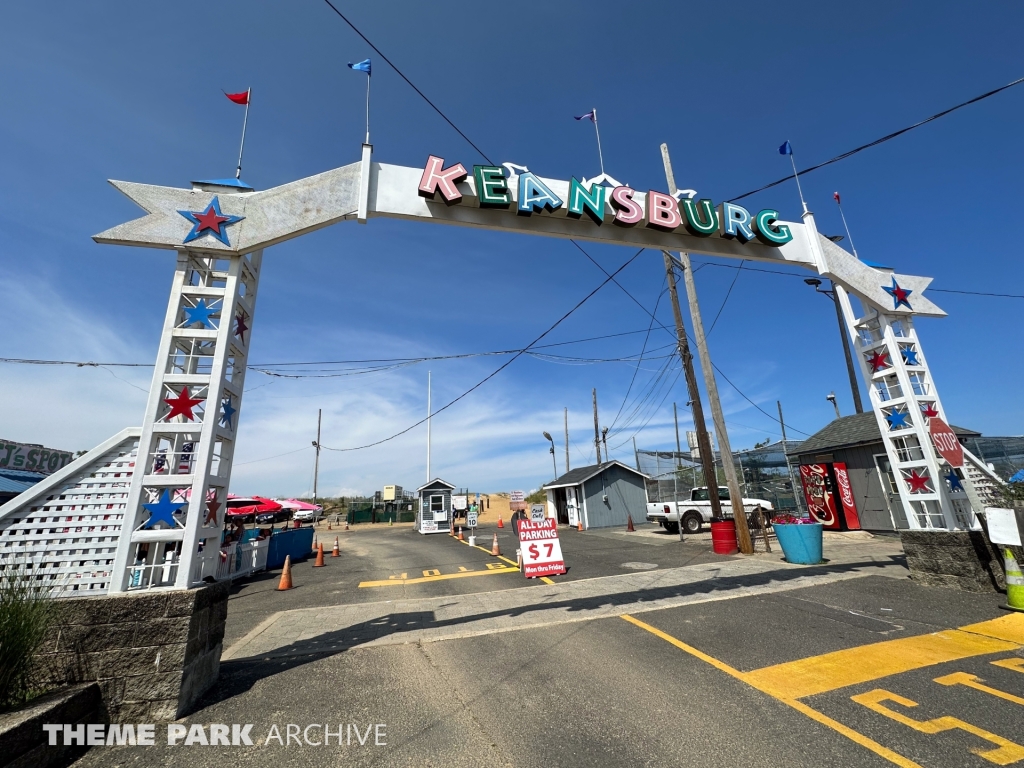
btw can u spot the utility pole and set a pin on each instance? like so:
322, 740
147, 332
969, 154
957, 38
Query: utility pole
636, 454
707, 456
566, 440
679, 447
597, 433
739, 515
797, 495
316, 466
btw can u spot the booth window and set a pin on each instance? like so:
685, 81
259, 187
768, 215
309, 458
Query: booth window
437, 503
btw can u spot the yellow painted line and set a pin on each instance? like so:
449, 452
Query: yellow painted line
441, 577
855, 736
545, 579
818, 674
973, 681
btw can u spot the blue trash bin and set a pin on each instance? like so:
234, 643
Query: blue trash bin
800, 542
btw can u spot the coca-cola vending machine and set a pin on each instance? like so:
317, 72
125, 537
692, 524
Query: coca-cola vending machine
829, 495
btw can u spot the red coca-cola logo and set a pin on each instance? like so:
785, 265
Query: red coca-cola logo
844, 486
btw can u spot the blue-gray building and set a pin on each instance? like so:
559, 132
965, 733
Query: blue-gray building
600, 495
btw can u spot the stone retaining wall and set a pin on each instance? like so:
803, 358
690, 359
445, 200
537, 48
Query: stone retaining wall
24, 743
152, 653
963, 560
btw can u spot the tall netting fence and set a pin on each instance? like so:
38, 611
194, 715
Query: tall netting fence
762, 471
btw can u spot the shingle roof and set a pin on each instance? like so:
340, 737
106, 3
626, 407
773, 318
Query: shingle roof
580, 474
847, 431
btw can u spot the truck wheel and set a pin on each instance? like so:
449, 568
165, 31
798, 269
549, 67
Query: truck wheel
671, 527
692, 522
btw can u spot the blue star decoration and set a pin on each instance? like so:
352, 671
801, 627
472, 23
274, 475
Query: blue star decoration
200, 313
909, 355
899, 295
897, 419
162, 511
228, 414
955, 484
211, 221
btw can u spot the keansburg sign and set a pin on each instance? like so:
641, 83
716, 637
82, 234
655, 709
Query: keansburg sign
542, 553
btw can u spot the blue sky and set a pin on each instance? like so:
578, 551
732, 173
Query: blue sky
133, 91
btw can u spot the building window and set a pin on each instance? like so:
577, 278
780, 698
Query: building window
917, 382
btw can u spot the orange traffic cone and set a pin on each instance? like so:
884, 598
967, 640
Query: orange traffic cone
500, 524
629, 523
579, 524
461, 537
314, 543
319, 557
494, 547
346, 525
328, 526
286, 575
336, 552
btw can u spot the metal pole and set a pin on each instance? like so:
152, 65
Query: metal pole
597, 433
566, 411
797, 492
428, 426
245, 120
739, 516
854, 386
600, 155
367, 109
316, 466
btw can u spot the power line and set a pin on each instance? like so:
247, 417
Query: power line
882, 140
802, 275
500, 368
727, 295
643, 349
410, 82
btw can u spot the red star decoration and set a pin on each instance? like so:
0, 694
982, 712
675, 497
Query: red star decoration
182, 405
211, 511
878, 361
240, 327
900, 294
917, 482
928, 411
209, 219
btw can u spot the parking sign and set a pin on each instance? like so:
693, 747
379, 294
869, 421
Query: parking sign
537, 513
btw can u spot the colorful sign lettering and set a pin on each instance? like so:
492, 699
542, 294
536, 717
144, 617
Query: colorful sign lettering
821, 502
542, 553
621, 205
846, 496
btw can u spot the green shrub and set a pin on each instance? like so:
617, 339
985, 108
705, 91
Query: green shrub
26, 613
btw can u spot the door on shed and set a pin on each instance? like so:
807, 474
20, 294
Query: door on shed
891, 492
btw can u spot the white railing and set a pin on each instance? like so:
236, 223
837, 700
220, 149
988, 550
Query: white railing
149, 576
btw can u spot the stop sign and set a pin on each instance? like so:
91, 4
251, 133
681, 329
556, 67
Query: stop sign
946, 443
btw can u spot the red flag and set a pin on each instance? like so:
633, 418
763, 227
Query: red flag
834, 194
238, 98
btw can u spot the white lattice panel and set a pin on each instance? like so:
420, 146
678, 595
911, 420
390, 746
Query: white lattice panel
65, 529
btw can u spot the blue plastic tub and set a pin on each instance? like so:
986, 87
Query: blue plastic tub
801, 543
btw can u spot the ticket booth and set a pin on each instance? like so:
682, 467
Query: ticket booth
435, 512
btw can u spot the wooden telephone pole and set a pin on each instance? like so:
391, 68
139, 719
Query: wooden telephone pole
597, 431
739, 514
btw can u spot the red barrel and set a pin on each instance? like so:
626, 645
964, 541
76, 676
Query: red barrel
723, 537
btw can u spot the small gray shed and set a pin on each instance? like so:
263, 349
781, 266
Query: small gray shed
435, 511
601, 495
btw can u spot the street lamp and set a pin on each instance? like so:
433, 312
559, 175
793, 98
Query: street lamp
854, 388
831, 397
553, 464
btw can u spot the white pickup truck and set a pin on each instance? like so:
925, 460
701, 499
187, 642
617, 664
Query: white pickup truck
697, 510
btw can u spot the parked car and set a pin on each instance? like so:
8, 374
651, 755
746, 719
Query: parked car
696, 511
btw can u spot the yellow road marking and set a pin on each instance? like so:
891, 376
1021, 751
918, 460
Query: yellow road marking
390, 582
973, 681
1009, 628
545, 579
799, 706
1017, 665
818, 674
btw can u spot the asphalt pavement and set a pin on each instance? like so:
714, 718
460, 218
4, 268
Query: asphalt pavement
712, 662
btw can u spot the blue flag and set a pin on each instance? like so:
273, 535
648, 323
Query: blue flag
362, 66
589, 116
785, 149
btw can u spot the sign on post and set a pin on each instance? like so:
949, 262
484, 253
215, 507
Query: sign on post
537, 512
471, 519
542, 553
459, 502
517, 496
945, 442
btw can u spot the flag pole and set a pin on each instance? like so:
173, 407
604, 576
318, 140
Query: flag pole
600, 155
368, 111
845, 225
245, 120
797, 177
